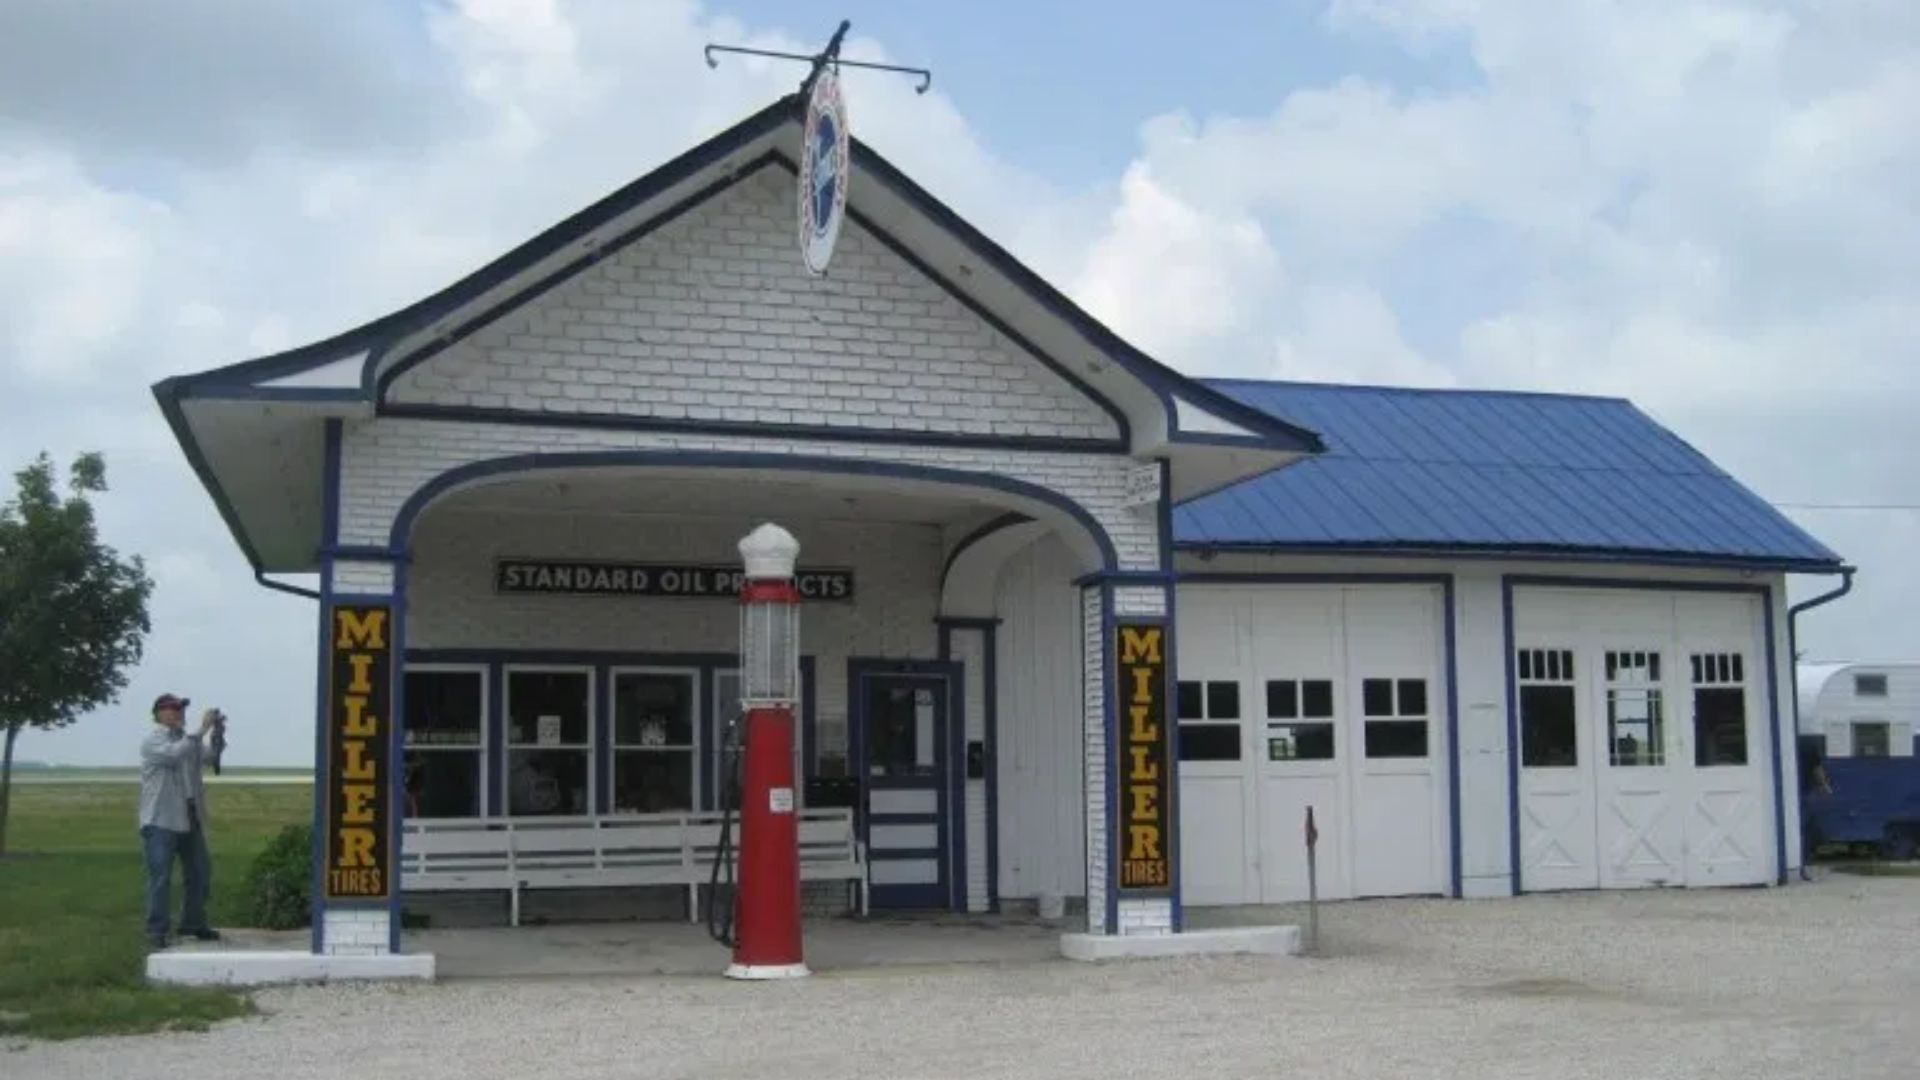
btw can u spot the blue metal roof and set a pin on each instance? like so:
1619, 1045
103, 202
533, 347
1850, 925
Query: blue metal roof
1464, 470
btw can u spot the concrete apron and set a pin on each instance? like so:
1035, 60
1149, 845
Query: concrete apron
836, 945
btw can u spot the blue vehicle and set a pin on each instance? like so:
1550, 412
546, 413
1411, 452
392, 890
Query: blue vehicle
1859, 721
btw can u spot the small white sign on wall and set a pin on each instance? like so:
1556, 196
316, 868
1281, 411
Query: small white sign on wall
780, 800
1143, 486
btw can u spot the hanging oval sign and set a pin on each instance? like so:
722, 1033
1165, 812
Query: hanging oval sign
823, 172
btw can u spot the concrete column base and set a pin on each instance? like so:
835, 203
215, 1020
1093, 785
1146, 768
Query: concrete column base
1259, 940
208, 968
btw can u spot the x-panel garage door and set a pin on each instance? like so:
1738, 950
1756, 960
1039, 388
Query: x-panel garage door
1322, 696
1641, 718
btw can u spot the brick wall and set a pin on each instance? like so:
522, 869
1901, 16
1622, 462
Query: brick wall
1094, 680
713, 317
354, 932
384, 461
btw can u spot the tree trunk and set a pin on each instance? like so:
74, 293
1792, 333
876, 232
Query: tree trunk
6, 785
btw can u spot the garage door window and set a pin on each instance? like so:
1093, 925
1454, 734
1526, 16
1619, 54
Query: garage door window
1396, 717
1547, 726
1209, 721
1636, 724
1719, 709
1299, 719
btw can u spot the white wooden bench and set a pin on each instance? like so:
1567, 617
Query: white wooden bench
620, 850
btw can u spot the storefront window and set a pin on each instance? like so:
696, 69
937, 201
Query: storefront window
1299, 719
654, 749
1636, 721
549, 741
445, 726
1396, 717
1209, 717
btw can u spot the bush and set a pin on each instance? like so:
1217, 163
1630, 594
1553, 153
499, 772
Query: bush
279, 884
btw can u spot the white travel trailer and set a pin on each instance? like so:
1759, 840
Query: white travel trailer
1863, 710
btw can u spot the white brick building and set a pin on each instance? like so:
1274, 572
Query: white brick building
991, 477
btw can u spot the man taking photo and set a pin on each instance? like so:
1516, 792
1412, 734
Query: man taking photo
172, 813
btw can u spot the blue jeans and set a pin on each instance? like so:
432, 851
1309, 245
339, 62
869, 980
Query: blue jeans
196, 873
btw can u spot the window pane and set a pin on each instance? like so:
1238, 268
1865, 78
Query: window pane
1299, 742
443, 708
1316, 699
1871, 740
1396, 738
652, 709
1283, 699
1189, 705
547, 708
1209, 742
1376, 697
1413, 697
1720, 726
1547, 739
1870, 685
652, 781
547, 782
443, 783
1223, 701
1635, 728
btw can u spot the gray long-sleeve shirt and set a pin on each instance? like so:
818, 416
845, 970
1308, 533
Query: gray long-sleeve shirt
169, 776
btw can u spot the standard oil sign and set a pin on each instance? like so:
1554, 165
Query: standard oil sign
578, 577
1145, 859
359, 800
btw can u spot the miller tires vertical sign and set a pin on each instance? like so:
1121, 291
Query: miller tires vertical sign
1146, 849
359, 856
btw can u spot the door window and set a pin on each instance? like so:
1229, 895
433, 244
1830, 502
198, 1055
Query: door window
1548, 727
1636, 723
1719, 709
900, 733
654, 723
1299, 719
1396, 717
1209, 720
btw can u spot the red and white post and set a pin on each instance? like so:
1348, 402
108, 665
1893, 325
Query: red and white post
767, 900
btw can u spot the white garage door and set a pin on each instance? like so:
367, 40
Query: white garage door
1323, 696
1642, 739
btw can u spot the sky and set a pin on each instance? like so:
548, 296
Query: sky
1708, 207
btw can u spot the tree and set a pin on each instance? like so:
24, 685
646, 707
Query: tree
73, 614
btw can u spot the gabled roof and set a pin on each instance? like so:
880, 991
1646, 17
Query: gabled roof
228, 419
1506, 473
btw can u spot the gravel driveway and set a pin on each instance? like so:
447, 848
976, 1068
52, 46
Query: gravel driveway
1817, 980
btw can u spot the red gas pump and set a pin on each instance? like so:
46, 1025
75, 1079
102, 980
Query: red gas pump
767, 902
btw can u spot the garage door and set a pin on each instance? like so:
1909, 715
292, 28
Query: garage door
1642, 739
1321, 696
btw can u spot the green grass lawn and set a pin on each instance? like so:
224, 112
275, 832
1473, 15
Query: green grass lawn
72, 945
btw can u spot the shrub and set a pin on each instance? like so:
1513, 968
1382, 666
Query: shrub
279, 884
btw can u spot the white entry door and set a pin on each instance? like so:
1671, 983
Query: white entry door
1557, 802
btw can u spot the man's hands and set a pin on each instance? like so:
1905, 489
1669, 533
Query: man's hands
208, 720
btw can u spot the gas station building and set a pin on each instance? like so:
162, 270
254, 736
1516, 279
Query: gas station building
1075, 625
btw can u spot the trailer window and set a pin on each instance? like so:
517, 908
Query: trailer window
1871, 738
1719, 709
1870, 686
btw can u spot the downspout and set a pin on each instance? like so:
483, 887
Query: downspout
260, 577
1793, 659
